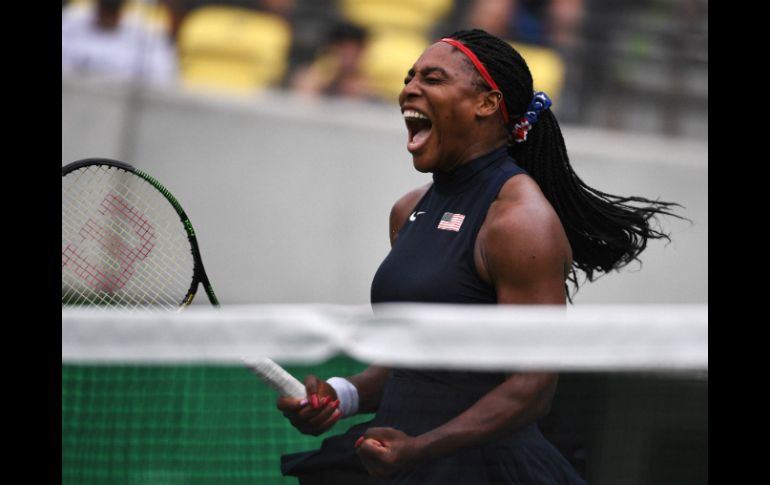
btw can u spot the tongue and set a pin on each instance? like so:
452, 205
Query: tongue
419, 139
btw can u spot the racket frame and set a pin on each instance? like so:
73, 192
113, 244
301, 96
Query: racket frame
199, 272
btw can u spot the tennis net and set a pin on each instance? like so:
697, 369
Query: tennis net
155, 397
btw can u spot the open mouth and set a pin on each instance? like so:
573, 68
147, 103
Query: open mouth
419, 127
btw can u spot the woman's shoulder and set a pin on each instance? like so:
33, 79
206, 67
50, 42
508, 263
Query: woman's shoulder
522, 213
521, 196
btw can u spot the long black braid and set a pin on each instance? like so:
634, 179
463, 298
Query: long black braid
605, 231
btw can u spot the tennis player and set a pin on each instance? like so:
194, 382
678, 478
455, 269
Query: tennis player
505, 221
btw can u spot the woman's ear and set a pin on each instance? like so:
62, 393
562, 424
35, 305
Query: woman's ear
489, 103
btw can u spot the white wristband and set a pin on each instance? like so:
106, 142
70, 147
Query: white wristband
347, 394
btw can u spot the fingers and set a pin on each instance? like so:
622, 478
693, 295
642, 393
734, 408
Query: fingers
315, 413
315, 422
383, 451
316, 390
368, 442
311, 390
373, 455
379, 440
371, 446
331, 420
290, 404
382, 435
310, 420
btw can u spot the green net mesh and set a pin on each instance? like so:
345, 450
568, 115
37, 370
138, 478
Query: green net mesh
179, 424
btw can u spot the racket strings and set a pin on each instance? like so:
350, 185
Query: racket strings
155, 272
122, 264
122, 242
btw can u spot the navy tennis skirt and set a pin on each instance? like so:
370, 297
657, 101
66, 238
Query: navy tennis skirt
416, 402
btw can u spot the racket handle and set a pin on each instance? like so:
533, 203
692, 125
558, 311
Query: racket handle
276, 377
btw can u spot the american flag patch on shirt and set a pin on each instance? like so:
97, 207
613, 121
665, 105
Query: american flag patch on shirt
451, 222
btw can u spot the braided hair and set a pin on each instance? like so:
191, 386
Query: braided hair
606, 232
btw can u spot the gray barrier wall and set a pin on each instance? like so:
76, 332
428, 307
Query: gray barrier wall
290, 197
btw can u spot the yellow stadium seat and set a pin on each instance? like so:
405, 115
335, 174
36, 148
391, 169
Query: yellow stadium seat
416, 15
233, 49
388, 57
546, 66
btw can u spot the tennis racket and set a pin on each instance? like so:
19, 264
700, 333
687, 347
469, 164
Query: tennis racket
276, 377
126, 241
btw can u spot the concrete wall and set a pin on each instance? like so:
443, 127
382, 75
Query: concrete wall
290, 198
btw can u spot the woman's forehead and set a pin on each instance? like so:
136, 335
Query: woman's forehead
441, 55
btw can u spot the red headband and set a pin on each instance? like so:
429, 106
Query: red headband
479, 67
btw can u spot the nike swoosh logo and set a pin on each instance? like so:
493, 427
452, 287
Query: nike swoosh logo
415, 214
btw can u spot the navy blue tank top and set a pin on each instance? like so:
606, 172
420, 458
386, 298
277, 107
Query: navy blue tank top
432, 259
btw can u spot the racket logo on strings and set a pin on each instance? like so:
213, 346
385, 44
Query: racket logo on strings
121, 257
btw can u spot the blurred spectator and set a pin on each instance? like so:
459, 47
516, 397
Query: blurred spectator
104, 38
552, 23
336, 71
565, 22
548, 33
280, 7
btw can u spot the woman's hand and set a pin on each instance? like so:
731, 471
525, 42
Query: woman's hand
384, 451
314, 414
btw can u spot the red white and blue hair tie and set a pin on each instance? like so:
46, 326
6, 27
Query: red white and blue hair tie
540, 101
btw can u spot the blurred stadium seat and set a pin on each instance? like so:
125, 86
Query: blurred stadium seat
233, 49
416, 15
388, 57
546, 66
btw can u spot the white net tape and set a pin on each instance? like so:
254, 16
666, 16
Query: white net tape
479, 337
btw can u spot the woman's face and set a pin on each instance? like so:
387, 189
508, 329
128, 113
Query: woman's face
439, 103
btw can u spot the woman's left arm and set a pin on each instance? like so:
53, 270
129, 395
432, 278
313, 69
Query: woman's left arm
523, 252
520, 400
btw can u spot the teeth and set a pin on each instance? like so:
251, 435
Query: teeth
410, 113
